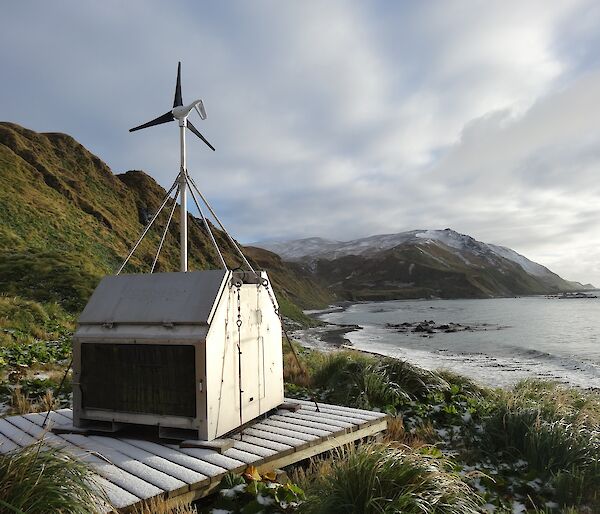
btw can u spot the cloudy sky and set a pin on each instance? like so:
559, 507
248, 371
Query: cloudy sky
338, 119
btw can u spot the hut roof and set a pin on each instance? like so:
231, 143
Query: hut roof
157, 298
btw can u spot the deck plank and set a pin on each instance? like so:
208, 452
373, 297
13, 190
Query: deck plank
258, 439
337, 415
125, 487
132, 470
282, 422
15, 434
6, 445
286, 440
273, 429
202, 467
206, 462
248, 447
319, 417
242, 455
212, 457
149, 459
324, 407
295, 420
127, 481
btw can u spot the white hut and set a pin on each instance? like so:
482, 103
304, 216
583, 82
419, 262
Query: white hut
197, 354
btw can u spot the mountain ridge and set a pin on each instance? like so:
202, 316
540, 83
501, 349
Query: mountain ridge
462, 265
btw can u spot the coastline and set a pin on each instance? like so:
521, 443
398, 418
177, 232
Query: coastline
490, 358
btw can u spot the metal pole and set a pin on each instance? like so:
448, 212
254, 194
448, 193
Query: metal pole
183, 233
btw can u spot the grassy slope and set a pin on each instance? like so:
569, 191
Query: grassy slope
66, 220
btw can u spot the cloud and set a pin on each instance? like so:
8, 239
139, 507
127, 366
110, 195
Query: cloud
341, 118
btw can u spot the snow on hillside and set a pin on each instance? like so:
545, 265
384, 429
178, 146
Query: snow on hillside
533, 268
318, 248
299, 248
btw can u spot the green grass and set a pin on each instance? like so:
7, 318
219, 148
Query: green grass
353, 378
291, 311
383, 479
38, 480
26, 321
556, 430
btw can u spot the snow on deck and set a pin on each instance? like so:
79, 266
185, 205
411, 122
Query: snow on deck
133, 470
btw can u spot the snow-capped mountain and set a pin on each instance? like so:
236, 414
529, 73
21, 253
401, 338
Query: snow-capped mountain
392, 262
318, 248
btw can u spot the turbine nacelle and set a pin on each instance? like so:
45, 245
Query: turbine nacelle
181, 112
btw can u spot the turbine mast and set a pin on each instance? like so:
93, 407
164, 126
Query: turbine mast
180, 112
183, 225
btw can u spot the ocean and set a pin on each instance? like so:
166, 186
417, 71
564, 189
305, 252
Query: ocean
514, 338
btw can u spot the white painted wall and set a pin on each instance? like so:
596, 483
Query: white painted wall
262, 360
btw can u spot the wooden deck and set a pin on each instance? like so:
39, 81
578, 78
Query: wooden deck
132, 470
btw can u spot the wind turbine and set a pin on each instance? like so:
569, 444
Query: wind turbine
180, 113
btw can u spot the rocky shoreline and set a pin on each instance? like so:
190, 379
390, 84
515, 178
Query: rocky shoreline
426, 327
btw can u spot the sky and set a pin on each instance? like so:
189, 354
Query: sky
338, 119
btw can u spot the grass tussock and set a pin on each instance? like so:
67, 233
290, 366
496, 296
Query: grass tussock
39, 480
556, 431
364, 381
25, 321
539, 440
386, 479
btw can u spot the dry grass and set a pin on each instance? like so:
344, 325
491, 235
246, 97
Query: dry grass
160, 505
396, 434
293, 373
20, 403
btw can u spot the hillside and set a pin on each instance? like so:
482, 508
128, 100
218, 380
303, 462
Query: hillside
420, 263
66, 220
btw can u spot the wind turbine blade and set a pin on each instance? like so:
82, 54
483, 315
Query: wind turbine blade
166, 117
178, 100
195, 131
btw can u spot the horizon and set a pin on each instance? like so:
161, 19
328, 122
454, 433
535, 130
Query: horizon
341, 122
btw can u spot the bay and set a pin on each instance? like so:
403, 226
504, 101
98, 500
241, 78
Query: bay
526, 337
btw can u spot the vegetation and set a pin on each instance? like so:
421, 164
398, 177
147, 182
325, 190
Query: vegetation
556, 431
386, 479
253, 493
38, 480
534, 447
